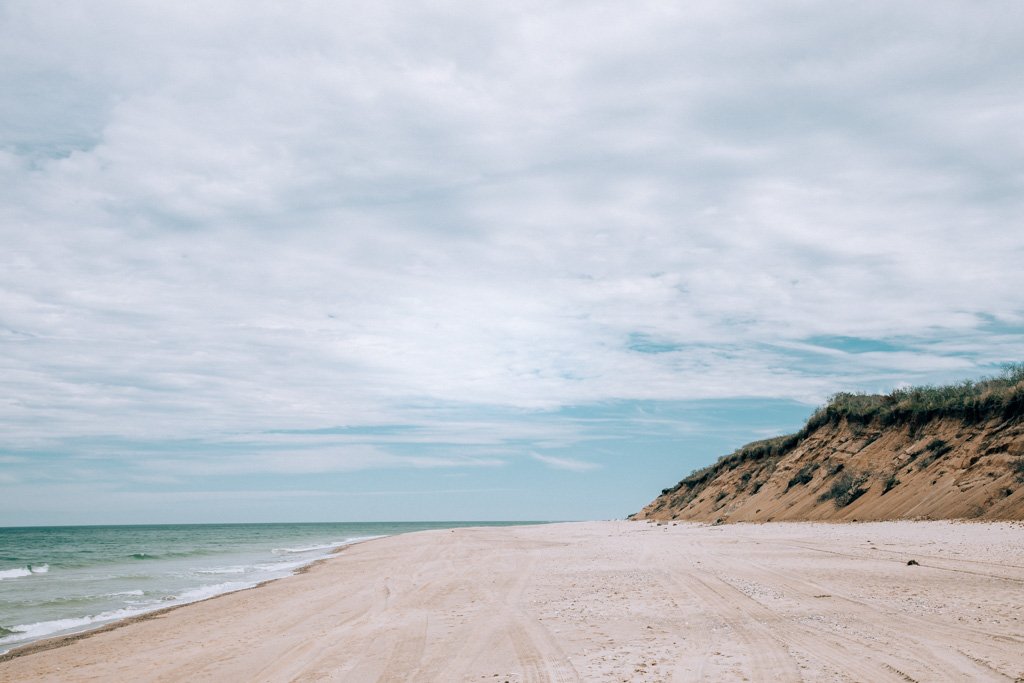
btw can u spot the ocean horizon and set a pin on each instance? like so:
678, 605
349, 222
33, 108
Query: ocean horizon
59, 580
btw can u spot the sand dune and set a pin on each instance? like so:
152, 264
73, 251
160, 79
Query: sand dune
945, 468
601, 601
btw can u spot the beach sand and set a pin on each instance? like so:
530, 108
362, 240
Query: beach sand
600, 601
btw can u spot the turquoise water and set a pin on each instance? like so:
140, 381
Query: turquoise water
58, 580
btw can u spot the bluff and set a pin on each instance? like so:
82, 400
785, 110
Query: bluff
952, 452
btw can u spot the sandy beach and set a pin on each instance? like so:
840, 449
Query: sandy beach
599, 601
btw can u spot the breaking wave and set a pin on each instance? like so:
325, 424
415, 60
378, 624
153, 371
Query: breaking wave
323, 546
20, 572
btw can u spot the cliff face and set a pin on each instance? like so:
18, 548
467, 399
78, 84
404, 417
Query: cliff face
846, 468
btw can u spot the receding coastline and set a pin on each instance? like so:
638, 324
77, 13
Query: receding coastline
663, 600
62, 640
599, 601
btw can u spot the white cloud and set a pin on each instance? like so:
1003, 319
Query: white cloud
321, 461
244, 217
571, 464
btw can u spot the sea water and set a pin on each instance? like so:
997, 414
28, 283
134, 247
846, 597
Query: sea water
59, 580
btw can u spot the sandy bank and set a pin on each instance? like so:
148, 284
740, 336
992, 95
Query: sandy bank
601, 601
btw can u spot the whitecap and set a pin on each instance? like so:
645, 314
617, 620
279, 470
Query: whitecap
204, 592
41, 629
309, 549
324, 546
238, 569
14, 573
288, 566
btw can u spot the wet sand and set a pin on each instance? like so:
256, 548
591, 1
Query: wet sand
599, 601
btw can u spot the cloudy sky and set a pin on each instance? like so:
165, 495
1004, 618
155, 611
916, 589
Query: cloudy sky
459, 260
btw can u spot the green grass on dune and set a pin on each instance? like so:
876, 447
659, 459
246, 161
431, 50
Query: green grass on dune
1000, 396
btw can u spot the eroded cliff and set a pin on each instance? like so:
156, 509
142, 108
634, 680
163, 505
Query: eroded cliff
928, 453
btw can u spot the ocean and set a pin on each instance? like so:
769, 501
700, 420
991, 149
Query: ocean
60, 580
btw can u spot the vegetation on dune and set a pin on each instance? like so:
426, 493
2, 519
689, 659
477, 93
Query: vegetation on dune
936, 448
1018, 469
1000, 396
804, 476
768, 451
845, 489
970, 401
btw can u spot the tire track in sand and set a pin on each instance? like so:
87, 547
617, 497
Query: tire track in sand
845, 651
535, 649
697, 639
908, 653
764, 625
770, 659
407, 653
946, 661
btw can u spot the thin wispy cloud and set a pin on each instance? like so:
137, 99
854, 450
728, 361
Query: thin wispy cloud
226, 221
571, 464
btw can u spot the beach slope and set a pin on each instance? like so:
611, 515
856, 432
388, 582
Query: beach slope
599, 601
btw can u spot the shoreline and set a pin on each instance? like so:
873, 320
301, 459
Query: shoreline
57, 641
596, 601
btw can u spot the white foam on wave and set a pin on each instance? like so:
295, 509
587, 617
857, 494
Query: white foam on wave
277, 567
24, 633
309, 549
28, 632
238, 569
20, 572
41, 629
323, 546
204, 592
14, 573
290, 565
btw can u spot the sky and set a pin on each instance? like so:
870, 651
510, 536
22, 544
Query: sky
403, 260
